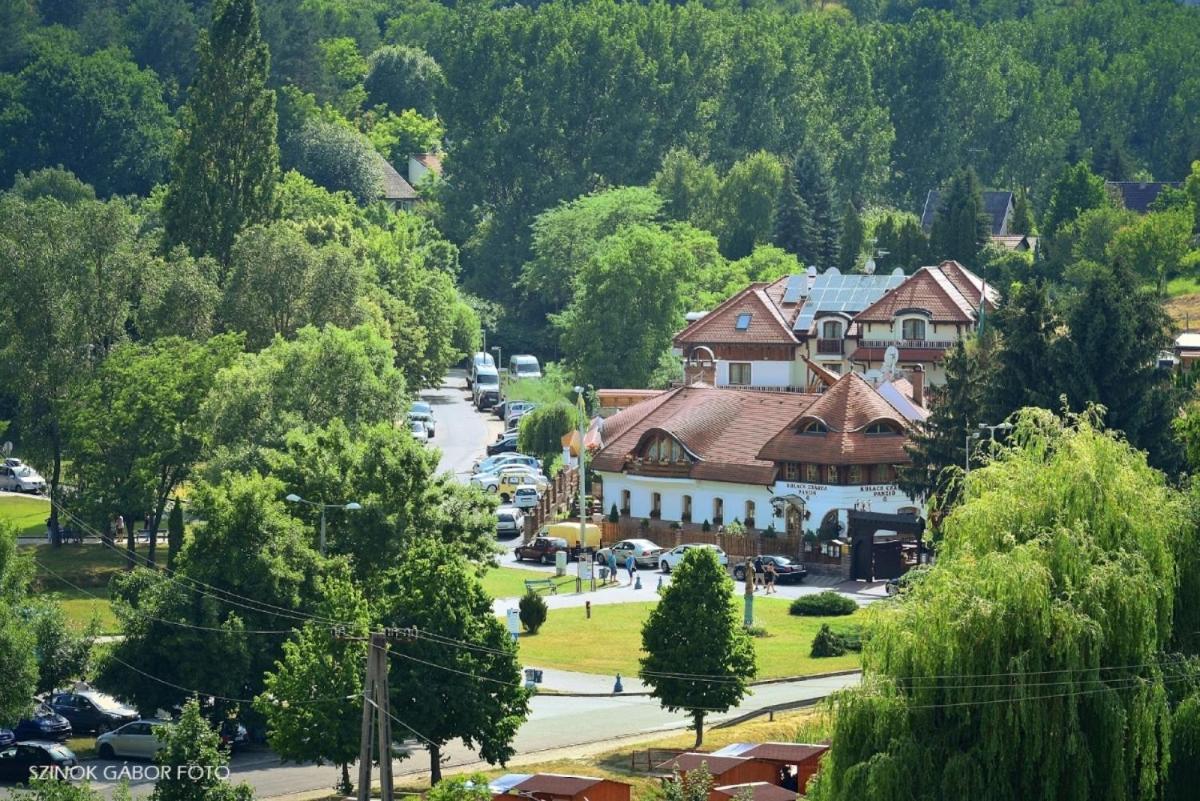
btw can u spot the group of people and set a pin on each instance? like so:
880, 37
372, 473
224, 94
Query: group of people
760, 573
611, 563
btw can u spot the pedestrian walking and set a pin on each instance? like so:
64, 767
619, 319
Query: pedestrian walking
612, 567
118, 528
631, 566
760, 576
771, 574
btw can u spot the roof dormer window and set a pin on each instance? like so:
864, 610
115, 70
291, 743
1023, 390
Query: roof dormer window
814, 427
743, 321
882, 427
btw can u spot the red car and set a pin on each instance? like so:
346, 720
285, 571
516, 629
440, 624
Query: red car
541, 549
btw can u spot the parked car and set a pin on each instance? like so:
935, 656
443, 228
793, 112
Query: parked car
671, 559
493, 463
426, 419
421, 406
138, 740
525, 498
419, 432
507, 407
89, 711
513, 421
486, 390
524, 366
510, 522
234, 736
787, 570
541, 549
505, 443
43, 724
19, 761
478, 360
7, 738
16, 476
645, 553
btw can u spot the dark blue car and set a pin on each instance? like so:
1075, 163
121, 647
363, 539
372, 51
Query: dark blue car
7, 738
44, 724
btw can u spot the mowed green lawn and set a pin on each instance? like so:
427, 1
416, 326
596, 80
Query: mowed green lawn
27, 514
78, 576
509, 582
611, 641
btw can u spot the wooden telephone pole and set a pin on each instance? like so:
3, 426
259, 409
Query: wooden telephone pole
377, 710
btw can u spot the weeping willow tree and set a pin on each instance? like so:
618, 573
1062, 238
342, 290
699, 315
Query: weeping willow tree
1027, 665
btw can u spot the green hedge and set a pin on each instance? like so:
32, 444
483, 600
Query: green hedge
823, 604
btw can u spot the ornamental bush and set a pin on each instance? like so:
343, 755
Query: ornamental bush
532, 611
823, 604
827, 643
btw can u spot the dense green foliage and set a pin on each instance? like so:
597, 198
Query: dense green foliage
542, 430
191, 742
17, 658
823, 604
695, 631
1025, 663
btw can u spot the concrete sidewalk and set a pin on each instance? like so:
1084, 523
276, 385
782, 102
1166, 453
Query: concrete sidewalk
569, 681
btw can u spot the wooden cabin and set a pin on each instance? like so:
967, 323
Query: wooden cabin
725, 770
557, 787
754, 791
791, 764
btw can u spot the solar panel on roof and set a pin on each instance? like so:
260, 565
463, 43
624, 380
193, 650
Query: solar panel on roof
849, 294
795, 288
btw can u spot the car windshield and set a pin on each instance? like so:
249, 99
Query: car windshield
417, 427
526, 369
420, 407
24, 472
487, 380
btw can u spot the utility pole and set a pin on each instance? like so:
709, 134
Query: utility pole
376, 709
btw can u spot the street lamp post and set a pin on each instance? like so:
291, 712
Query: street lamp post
352, 506
991, 429
582, 467
499, 356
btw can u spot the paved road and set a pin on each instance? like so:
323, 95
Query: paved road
462, 432
555, 723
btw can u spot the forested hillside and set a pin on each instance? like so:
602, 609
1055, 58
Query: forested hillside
538, 104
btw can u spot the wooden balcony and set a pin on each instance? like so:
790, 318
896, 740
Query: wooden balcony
649, 467
918, 344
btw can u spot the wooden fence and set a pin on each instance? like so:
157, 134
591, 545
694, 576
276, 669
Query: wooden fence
737, 546
563, 490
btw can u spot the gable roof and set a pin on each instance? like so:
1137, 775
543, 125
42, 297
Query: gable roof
394, 186
556, 784
721, 429
948, 292
756, 791
767, 324
794, 753
1138, 195
847, 409
997, 204
691, 760
430, 161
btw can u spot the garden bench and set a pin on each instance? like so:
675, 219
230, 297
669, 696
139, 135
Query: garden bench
533, 585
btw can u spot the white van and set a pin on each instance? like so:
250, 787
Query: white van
480, 359
486, 391
524, 367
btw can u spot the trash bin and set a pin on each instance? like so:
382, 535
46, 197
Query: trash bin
560, 563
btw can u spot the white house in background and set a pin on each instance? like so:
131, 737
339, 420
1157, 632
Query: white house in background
787, 460
422, 165
802, 330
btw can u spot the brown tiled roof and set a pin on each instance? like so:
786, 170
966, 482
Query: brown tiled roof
722, 430
757, 791
823, 374
846, 409
692, 760
556, 784
793, 753
949, 292
767, 324
430, 161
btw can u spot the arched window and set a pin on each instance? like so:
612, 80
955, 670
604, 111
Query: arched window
912, 329
882, 427
718, 510
748, 518
814, 427
686, 515
624, 502
656, 504
831, 329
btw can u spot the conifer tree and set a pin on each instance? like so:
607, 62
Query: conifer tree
853, 239
807, 222
226, 161
961, 227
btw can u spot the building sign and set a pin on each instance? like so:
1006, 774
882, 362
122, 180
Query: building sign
871, 492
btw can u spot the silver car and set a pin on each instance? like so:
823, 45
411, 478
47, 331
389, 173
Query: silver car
139, 740
16, 476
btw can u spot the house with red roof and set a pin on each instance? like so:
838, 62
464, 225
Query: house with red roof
556, 787
791, 461
801, 332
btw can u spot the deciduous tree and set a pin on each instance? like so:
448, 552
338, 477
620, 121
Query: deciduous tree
401, 78
698, 656
193, 750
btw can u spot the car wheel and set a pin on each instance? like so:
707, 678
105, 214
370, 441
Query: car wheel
492, 488
106, 752
544, 560
739, 573
665, 567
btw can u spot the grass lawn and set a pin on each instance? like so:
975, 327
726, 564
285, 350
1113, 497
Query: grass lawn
81, 608
89, 568
26, 513
509, 582
1183, 285
611, 641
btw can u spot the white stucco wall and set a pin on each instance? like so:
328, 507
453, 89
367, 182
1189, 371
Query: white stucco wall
762, 373
819, 498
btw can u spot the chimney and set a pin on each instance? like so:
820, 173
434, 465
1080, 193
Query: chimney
811, 278
917, 379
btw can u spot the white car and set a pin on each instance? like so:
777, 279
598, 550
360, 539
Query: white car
139, 739
16, 476
645, 553
508, 474
670, 560
418, 431
525, 497
493, 463
426, 419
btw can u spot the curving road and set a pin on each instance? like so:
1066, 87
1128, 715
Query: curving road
462, 433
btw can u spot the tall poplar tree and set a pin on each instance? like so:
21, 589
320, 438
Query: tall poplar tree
226, 160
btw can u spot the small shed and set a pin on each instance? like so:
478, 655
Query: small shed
725, 770
754, 791
792, 764
557, 787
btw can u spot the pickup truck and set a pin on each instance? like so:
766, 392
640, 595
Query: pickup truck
541, 549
